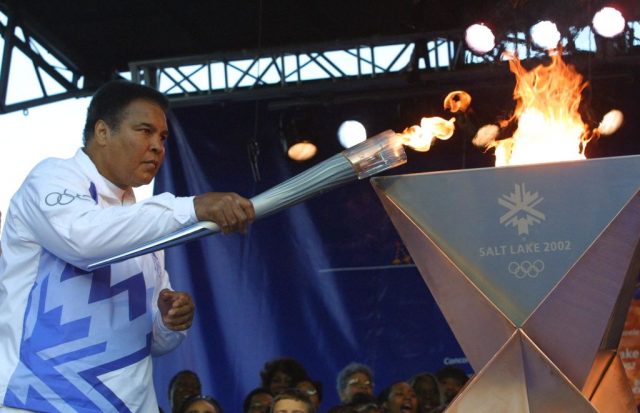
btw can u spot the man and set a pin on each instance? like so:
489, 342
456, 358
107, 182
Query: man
292, 401
427, 390
183, 385
313, 389
257, 401
451, 379
353, 379
72, 340
399, 398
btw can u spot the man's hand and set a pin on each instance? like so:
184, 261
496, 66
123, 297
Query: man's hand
229, 210
176, 309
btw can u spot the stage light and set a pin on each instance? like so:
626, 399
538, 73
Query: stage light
351, 133
545, 35
479, 38
608, 22
302, 150
297, 137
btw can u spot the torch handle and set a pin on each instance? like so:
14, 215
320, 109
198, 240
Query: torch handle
376, 154
316, 180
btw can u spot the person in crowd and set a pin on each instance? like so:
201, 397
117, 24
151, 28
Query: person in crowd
85, 339
364, 403
257, 401
313, 389
282, 373
353, 379
183, 385
428, 392
292, 401
399, 398
200, 404
452, 379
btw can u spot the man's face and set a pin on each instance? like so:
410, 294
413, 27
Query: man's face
356, 383
279, 382
402, 399
450, 387
311, 391
186, 385
134, 150
428, 394
290, 406
260, 403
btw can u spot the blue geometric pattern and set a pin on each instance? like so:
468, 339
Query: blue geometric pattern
101, 289
53, 350
92, 374
35, 401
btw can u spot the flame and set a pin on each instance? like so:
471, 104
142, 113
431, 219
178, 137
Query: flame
458, 100
610, 123
420, 138
549, 125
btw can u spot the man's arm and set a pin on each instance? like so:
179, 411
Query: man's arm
176, 309
174, 317
230, 211
80, 231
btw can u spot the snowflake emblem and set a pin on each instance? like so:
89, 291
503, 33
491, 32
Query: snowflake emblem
521, 209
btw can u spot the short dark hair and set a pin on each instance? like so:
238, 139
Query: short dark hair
110, 100
453, 372
316, 384
247, 400
178, 376
188, 402
294, 394
290, 366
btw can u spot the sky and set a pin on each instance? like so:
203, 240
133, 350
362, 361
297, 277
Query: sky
27, 137
53, 130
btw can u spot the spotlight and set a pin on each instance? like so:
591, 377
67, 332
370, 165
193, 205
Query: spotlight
479, 38
608, 22
302, 150
545, 35
297, 139
351, 133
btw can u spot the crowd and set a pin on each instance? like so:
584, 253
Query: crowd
286, 387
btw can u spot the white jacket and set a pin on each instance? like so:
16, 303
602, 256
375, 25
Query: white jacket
71, 340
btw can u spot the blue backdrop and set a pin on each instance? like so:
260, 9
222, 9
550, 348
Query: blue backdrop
326, 282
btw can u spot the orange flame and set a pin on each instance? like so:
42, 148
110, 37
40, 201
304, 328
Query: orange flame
420, 138
458, 100
549, 125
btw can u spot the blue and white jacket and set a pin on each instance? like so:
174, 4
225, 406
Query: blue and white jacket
73, 340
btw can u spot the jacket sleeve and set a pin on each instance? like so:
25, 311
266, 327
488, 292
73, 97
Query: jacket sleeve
163, 339
63, 216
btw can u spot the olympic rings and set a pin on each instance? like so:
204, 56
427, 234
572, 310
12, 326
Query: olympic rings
526, 268
64, 198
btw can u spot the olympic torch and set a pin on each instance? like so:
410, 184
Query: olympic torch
374, 155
